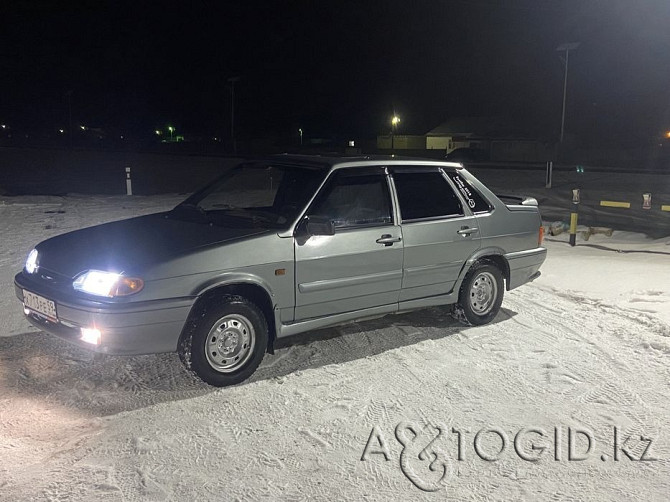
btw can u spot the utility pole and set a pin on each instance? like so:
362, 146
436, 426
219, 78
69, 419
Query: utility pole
69, 108
565, 48
232, 81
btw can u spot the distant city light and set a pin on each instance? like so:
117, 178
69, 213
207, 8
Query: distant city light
4, 126
158, 133
352, 143
82, 127
667, 134
395, 121
61, 131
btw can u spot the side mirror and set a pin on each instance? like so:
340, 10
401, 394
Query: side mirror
320, 225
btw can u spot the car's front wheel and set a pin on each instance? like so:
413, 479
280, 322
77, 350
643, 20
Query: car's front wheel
481, 294
226, 341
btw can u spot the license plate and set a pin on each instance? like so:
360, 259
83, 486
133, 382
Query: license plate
40, 305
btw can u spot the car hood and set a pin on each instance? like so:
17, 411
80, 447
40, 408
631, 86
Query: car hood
131, 245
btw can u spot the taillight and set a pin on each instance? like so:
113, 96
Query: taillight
540, 235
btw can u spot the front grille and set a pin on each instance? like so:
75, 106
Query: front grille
52, 278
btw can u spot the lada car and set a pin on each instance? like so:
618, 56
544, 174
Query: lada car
280, 246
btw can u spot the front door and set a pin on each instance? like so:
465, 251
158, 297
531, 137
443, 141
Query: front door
360, 266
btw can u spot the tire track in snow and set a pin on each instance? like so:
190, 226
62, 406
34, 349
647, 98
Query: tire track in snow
600, 381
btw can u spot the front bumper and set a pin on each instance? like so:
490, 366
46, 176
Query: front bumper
131, 328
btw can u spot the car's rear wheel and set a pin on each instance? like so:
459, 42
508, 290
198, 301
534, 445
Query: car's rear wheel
481, 294
226, 341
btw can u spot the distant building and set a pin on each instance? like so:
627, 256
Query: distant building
496, 137
401, 142
483, 138
468, 132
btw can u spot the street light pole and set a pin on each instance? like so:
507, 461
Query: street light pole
565, 48
69, 109
232, 81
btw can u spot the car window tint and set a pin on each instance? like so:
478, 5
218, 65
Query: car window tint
355, 200
425, 195
474, 199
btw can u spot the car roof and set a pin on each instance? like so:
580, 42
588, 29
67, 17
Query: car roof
330, 161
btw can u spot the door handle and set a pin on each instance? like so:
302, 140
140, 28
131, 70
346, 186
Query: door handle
388, 240
467, 231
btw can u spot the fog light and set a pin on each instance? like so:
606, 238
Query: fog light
90, 335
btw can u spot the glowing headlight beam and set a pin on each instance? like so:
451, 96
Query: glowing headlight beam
110, 284
31, 262
96, 282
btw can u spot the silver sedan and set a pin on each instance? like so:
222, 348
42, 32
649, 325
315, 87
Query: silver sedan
280, 246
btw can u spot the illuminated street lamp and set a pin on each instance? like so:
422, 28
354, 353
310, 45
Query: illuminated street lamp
667, 133
565, 48
300, 131
394, 124
158, 133
171, 129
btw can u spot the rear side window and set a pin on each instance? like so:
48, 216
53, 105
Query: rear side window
472, 197
425, 195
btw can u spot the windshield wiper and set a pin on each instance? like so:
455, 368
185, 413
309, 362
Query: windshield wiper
258, 219
192, 208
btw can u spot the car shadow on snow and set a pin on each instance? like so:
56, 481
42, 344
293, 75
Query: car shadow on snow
44, 366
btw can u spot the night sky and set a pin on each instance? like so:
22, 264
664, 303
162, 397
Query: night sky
339, 67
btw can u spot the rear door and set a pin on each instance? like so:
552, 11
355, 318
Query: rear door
439, 233
361, 265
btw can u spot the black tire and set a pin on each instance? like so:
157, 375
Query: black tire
481, 294
213, 347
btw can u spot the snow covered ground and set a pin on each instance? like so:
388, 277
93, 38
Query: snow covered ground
583, 350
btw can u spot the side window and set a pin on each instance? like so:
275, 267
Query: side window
475, 200
425, 195
351, 199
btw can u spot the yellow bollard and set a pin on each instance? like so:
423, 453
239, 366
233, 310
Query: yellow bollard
573, 228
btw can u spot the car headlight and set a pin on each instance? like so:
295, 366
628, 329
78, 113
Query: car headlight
31, 262
110, 284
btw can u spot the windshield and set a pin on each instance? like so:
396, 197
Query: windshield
255, 195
